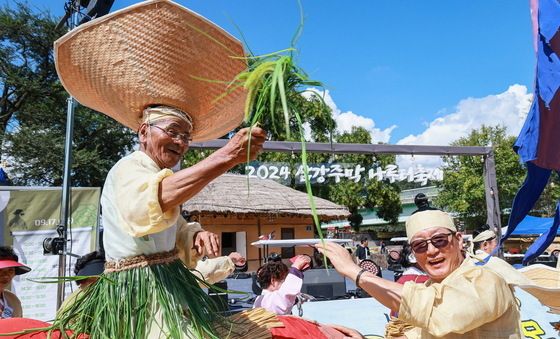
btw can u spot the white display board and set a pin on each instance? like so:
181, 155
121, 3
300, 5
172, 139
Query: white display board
296, 242
39, 299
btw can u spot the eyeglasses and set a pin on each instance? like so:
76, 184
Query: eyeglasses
173, 134
438, 241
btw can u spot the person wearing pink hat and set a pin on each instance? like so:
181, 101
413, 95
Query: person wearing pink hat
10, 306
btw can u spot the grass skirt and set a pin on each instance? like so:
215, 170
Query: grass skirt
163, 299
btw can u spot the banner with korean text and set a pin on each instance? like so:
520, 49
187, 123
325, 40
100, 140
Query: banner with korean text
325, 173
31, 215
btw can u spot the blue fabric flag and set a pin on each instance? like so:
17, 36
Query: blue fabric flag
537, 144
527, 196
548, 72
549, 12
4, 181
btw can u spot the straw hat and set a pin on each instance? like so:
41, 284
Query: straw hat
546, 285
155, 52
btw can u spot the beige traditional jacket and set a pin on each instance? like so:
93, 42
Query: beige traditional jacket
472, 302
133, 221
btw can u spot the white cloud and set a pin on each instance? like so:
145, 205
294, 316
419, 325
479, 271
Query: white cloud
345, 120
508, 108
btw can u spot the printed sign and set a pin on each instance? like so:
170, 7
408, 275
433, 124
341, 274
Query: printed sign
30, 215
335, 172
39, 299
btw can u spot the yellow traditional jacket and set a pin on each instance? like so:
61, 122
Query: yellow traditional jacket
472, 302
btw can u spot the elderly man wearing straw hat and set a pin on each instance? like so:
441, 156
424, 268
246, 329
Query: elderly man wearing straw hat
460, 299
162, 70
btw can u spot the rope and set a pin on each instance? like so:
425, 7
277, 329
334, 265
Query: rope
142, 260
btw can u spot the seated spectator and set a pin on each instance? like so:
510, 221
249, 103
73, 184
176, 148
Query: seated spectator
412, 272
280, 285
256, 288
10, 306
484, 241
87, 269
89, 266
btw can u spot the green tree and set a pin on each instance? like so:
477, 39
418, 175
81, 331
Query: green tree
34, 106
27, 72
367, 193
463, 181
546, 205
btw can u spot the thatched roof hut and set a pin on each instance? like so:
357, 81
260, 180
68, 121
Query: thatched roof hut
234, 194
240, 211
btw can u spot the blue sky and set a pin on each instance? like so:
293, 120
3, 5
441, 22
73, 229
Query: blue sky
422, 72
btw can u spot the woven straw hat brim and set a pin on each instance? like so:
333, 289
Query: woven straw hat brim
542, 275
546, 287
155, 52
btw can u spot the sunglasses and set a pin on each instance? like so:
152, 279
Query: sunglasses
438, 241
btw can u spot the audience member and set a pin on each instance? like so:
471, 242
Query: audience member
87, 270
362, 250
89, 266
10, 306
484, 241
422, 203
280, 285
412, 271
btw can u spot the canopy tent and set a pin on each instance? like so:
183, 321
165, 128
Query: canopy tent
532, 226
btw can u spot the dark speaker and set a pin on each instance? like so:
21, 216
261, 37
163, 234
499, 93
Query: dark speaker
220, 297
324, 283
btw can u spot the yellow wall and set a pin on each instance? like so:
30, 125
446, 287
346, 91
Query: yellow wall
303, 228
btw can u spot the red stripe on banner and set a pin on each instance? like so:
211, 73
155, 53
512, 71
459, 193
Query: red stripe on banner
548, 152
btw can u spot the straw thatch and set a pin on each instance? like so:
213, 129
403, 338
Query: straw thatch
228, 195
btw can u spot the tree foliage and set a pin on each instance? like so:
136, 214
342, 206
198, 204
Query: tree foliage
27, 72
463, 181
34, 104
367, 193
546, 205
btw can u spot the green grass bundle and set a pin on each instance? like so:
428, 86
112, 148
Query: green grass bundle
271, 81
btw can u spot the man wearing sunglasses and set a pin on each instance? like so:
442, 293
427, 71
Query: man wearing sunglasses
461, 299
